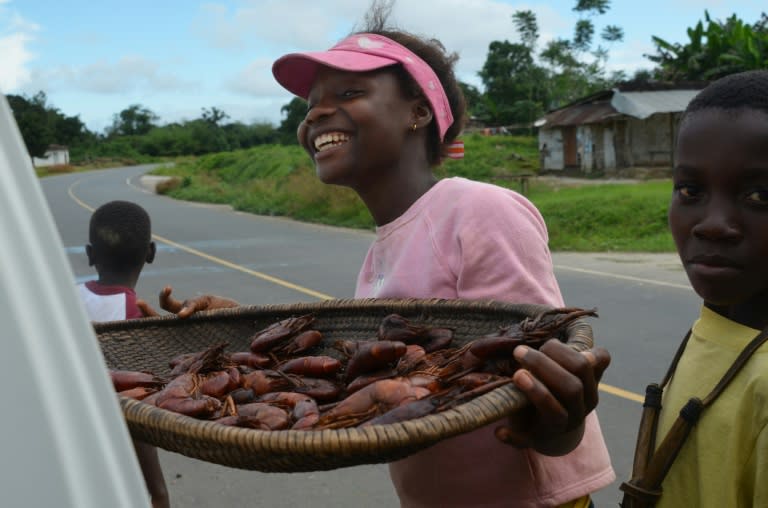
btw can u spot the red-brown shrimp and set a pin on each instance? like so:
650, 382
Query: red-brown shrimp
216, 384
242, 395
269, 337
253, 360
138, 393
265, 381
273, 417
126, 379
370, 401
315, 366
320, 389
300, 343
302, 407
203, 406
364, 380
371, 356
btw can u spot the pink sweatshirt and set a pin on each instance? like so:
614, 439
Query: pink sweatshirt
466, 239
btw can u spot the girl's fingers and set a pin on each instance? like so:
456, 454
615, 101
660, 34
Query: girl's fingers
568, 378
602, 359
552, 413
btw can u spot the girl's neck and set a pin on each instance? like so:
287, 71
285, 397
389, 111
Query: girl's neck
393, 197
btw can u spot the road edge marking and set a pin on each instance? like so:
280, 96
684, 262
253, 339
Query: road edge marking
623, 277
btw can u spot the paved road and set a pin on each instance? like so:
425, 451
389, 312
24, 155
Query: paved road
644, 302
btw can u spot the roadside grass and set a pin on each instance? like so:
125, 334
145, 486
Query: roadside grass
611, 217
280, 181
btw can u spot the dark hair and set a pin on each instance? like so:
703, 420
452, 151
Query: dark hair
743, 90
435, 55
120, 234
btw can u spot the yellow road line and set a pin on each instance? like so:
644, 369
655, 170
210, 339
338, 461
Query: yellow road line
623, 277
264, 276
322, 296
624, 394
71, 192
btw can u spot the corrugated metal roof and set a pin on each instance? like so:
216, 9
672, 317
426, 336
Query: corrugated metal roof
579, 114
608, 104
644, 104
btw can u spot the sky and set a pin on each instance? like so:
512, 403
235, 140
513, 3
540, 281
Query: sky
176, 57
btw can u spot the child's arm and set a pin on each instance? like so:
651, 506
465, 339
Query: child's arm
145, 308
188, 307
561, 384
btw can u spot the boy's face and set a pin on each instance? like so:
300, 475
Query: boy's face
719, 210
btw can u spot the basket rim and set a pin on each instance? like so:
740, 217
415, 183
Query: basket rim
335, 304
416, 433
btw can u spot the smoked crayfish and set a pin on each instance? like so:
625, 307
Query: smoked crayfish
406, 371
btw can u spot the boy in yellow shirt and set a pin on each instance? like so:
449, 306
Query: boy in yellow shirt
716, 440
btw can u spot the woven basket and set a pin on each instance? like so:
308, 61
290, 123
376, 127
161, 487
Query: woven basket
148, 344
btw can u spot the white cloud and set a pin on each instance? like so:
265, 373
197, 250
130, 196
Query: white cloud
254, 111
16, 37
128, 74
262, 24
13, 65
255, 80
629, 57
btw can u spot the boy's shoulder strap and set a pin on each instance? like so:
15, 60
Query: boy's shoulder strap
650, 469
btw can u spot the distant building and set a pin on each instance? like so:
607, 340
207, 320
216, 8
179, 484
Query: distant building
56, 155
630, 128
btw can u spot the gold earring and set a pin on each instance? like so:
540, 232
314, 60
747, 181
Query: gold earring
414, 127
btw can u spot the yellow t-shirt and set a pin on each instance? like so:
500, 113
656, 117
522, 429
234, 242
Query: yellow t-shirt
724, 462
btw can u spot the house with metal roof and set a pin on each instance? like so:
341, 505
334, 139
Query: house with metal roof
55, 155
617, 132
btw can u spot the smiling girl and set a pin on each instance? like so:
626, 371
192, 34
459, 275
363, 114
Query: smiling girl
384, 109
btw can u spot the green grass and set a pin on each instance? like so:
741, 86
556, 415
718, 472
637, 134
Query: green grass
280, 180
613, 217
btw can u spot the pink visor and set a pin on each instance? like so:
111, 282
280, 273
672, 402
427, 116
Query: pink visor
361, 53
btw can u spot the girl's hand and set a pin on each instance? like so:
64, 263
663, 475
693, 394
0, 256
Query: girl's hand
188, 307
561, 385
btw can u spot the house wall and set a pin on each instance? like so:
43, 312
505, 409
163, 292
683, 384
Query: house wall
589, 148
615, 146
650, 141
551, 149
586, 148
608, 149
52, 158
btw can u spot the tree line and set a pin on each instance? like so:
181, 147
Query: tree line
521, 81
135, 132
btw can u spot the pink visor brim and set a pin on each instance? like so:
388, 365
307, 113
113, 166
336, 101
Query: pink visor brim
296, 72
